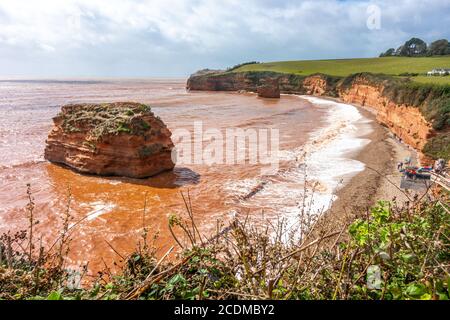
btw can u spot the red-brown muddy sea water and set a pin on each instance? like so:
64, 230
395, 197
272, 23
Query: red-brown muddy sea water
112, 207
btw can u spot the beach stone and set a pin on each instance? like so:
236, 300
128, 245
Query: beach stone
111, 139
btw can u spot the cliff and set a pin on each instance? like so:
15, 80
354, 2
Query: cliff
250, 81
405, 121
120, 139
269, 89
417, 114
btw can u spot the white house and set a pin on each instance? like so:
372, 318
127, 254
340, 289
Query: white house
439, 72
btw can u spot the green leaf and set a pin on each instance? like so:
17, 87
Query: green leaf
55, 295
109, 286
178, 278
426, 296
415, 290
448, 284
409, 258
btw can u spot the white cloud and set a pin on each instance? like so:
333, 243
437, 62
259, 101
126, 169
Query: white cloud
157, 37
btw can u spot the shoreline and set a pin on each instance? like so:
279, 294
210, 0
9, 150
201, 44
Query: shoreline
380, 178
334, 147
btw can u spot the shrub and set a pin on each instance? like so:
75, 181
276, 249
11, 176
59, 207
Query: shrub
408, 74
438, 147
241, 65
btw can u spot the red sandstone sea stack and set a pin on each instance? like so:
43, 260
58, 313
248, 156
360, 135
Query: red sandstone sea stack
269, 89
111, 139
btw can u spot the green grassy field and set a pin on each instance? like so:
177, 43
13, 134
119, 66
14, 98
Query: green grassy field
344, 67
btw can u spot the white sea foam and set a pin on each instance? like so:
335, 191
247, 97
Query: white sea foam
329, 160
98, 208
326, 159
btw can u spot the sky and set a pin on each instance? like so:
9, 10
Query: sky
174, 38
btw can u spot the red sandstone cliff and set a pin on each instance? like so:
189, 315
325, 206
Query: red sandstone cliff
121, 139
269, 89
225, 81
407, 122
315, 85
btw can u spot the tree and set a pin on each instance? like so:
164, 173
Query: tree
439, 48
390, 52
398, 51
413, 48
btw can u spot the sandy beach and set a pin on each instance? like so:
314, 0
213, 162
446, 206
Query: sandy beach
380, 180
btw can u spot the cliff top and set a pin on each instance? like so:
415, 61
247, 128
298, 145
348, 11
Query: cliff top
204, 72
416, 68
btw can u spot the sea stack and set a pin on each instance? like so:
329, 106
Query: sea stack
269, 89
110, 139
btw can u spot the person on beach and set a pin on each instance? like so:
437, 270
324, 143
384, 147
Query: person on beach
408, 161
439, 165
400, 166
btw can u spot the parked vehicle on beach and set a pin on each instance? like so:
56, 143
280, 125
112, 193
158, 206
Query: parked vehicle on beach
418, 173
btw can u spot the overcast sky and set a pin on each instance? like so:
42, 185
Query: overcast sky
154, 38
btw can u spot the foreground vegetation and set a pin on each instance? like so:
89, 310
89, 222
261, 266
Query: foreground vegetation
389, 252
393, 66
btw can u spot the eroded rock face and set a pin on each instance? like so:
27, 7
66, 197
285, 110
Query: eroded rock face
221, 81
117, 139
269, 89
315, 85
250, 81
407, 122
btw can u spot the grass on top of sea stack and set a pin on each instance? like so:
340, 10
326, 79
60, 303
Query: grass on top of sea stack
394, 66
105, 119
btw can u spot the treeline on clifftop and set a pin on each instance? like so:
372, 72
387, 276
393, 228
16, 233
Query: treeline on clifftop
416, 47
237, 66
